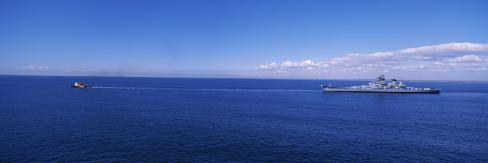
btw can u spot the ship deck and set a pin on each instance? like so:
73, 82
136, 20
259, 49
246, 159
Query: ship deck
433, 91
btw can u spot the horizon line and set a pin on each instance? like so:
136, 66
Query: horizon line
256, 78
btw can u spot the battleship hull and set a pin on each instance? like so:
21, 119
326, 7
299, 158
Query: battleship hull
380, 86
431, 91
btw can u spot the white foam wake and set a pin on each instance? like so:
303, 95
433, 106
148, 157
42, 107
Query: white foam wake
207, 89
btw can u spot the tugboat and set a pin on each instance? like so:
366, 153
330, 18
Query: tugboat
380, 86
79, 85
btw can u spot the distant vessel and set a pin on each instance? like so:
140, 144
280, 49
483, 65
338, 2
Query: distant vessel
380, 86
79, 85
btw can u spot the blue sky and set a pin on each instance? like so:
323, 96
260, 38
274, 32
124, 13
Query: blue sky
242, 38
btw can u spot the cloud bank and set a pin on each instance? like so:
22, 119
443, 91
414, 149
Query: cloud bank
35, 67
447, 58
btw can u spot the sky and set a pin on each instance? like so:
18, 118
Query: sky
295, 39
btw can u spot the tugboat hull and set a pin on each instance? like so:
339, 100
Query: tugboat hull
74, 86
79, 85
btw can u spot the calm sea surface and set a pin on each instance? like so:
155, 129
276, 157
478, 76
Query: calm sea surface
173, 119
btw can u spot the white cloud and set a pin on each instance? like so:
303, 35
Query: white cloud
271, 65
306, 64
466, 58
36, 67
449, 47
433, 58
289, 64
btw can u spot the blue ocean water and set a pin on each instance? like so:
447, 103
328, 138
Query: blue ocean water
42, 119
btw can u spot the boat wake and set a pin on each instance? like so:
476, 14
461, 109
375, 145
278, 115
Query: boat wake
208, 89
465, 94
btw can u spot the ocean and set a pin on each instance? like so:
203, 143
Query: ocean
129, 119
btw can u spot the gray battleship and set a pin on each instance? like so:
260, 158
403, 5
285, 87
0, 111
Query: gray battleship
380, 86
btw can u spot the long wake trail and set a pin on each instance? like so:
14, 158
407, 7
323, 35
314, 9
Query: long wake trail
207, 89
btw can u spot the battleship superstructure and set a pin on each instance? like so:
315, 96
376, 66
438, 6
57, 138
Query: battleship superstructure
380, 86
